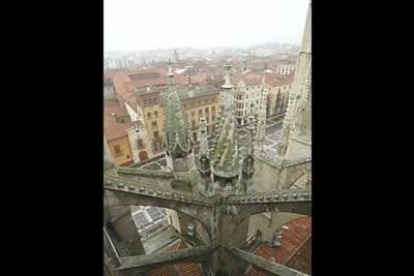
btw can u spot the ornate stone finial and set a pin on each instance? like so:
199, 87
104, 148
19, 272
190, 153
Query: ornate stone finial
250, 127
227, 82
176, 130
203, 137
307, 35
170, 71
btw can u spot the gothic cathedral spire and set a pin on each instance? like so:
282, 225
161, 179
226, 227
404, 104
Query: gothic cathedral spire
177, 136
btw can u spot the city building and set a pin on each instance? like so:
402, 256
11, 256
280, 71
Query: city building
247, 95
109, 89
198, 102
116, 121
126, 141
223, 193
285, 69
140, 93
278, 88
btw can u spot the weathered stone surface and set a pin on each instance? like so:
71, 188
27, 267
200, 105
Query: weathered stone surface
268, 266
147, 262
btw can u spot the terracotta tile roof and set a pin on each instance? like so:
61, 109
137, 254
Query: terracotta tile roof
294, 235
276, 80
113, 106
161, 81
181, 269
249, 78
120, 81
126, 82
113, 129
256, 272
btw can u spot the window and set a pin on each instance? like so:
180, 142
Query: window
195, 136
117, 149
140, 144
154, 124
200, 113
149, 115
207, 120
193, 123
213, 110
155, 113
213, 118
206, 111
156, 137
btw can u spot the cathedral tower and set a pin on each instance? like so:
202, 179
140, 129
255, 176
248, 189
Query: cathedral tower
226, 167
179, 154
295, 140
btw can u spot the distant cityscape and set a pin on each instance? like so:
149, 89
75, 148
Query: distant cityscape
207, 160
128, 59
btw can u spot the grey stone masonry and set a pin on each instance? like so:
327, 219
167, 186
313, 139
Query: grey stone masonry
268, 266
147, 262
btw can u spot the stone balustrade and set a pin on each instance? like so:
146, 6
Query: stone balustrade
297, 195
146, 262
268, 266
148, 189
288, 163
144, 172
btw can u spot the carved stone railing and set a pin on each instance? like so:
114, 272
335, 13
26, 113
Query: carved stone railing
297, 195
149, 189
289, 163
147, 262
144, 172
266, 265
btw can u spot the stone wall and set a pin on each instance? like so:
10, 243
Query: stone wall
268, 222
265, 176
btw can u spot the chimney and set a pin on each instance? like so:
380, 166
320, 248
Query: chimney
277, 238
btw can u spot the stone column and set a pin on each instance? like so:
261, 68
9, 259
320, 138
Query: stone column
124, 234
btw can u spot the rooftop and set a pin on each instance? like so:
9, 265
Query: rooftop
276, 80
294, 235
112, 128
182, 269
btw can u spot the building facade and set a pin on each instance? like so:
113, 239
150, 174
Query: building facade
279, 87
200, 102
126, 141
285, 69
247, 95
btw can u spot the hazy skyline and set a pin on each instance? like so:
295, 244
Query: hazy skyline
146, 24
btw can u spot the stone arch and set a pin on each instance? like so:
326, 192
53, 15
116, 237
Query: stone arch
266, 225
295, 209
301, 182
295, 172
269, 222
114, 199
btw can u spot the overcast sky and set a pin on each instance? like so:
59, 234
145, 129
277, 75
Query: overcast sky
151, 24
